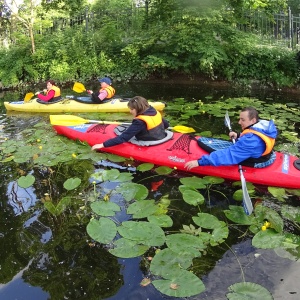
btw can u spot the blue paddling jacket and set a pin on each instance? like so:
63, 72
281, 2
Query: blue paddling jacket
249, 146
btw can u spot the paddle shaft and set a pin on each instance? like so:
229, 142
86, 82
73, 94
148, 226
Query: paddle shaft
112, 122
247, 203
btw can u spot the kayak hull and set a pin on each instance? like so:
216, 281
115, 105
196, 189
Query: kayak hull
181, 149
70, 105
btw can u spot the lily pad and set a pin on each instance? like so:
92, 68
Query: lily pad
125, 248
105, 208
26, 181
248, 291
185, 284
72, 183
103, 230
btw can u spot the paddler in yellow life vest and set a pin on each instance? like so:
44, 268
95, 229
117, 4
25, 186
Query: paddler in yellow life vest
253, 145
106, 91
147, 125
51, 94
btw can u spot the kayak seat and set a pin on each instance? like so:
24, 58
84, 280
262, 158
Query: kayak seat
211, 144
48, 102
121, 128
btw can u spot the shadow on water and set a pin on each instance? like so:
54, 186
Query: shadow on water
51, 257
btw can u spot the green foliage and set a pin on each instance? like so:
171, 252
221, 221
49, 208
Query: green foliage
176, 39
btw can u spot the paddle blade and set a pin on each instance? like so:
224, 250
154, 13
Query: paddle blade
247, 203
79, 87
227, 120
182, 129
67, 120
28, 96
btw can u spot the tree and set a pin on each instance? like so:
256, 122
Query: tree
24, 13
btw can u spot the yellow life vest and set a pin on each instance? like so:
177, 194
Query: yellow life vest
56, 90
110, 91
270, 142
151, 121
155, 128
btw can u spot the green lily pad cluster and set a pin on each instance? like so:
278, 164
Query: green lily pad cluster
148, 230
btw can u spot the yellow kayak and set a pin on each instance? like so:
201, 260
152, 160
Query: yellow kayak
74, 104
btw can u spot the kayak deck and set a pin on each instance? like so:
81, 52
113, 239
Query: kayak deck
181, 149
71, 105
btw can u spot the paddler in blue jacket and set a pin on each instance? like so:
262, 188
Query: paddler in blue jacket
256, 140
147, 125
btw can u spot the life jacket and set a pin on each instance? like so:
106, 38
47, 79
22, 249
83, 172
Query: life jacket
57, 94
155, 128
270, 142
110, 91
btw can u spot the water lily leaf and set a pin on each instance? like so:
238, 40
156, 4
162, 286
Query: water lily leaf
123, 177
219, 235
293, 192
193, 182
291, 213
110, 175
9, 149
166, 261
21, 160
267, 239
132, 191
7, 159
125, 248
238, 195
103, 230
193, 197
182, 244
161, 220
247, 291
206, 220
115, 158
185, 284
145, 167
277, 192
59, 208
143, 232
236, 214
163, 170
142, 209
26, 181
62, 205
72, 183
105, 208
212, 180
266, 213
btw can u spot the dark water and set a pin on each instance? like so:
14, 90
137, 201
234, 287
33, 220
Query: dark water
49, 258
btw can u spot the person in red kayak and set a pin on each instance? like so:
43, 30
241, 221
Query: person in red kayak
51, 94
254, 144
106, 91
147, 125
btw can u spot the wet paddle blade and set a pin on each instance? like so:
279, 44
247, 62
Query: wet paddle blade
79, 87
247, 203
182, 129
227, 120
69, 120
28, 96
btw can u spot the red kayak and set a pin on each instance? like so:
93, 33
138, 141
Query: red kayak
283, 172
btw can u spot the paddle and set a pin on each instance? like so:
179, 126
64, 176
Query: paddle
69, 120
28, 96
79, 87
247, 203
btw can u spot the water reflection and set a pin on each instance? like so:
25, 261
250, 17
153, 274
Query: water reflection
43, 256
